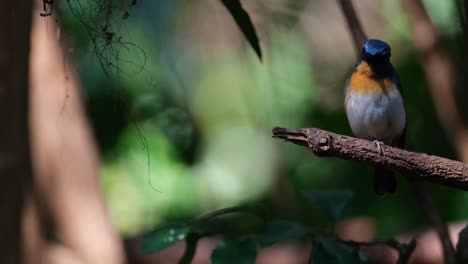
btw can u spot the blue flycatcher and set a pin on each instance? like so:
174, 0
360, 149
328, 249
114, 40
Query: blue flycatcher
374, 105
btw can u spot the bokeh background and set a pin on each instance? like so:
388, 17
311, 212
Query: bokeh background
183, 109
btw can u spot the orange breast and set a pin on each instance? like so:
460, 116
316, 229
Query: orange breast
364, 81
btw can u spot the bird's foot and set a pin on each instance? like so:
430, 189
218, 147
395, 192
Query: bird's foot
379, 145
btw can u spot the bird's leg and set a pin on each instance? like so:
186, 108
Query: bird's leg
379, 145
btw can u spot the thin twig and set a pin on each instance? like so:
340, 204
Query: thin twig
354, 25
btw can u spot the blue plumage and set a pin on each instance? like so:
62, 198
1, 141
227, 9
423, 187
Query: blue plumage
376, 48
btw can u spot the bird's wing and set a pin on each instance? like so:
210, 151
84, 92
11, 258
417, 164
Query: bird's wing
400, 140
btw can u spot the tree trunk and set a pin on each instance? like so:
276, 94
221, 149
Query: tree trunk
67, 199
15, 168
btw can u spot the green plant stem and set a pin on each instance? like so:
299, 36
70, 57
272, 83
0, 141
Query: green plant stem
191, 242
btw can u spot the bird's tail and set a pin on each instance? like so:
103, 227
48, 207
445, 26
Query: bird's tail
384, 181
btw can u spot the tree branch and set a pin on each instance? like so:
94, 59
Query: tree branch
419, 165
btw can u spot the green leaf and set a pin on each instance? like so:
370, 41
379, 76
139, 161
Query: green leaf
331, 251
281, 230
235, 252
163, 238
330, 202
244, 23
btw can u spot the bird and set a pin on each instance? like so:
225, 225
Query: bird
375, 106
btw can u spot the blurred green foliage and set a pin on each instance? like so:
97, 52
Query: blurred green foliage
240, 242
329, 251
191, 132
163, 238
234, 251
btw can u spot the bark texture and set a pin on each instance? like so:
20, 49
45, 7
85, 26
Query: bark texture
419, 165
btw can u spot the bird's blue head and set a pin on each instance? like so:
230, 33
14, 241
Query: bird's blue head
375, 50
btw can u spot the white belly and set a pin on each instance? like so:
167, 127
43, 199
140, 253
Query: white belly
380, 117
